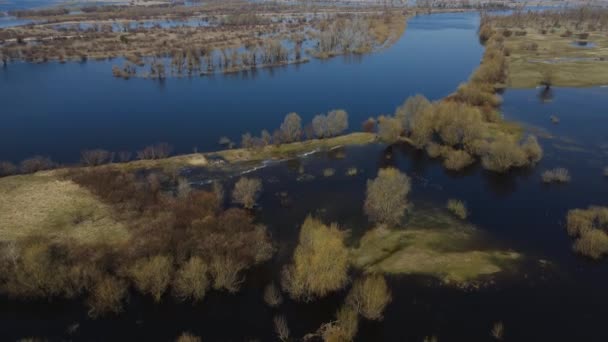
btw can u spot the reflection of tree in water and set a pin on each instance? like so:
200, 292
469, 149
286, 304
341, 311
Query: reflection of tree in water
546, 94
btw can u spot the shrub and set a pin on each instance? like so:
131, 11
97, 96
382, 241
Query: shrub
320, 262
557, 175
157, 151
498, 330
7, 168
281, 328
457, 208
411, 109
457, 159
95, 157
191, 280
590, 226
344, 328
291, 128
369, 296
478, 94
272, 295
532, 149
592, 243
107, 296
225, 272
35, 164
386, 198
152, 275
187, 337
329, 172
246, 191
422, 126
369, 125
389, 129
503, 154
352, 171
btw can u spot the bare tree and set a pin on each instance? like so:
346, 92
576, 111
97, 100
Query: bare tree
246, 191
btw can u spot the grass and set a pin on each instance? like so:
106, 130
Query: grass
44, 205
570, 66
447, 251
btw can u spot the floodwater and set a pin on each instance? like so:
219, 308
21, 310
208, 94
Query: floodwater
92, 109
555, 296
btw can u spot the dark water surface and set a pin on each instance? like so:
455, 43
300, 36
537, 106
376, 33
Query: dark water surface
63, 108
59, 109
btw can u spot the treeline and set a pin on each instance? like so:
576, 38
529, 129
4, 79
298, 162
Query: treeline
465, 126
291, 130
183, 242
581, 18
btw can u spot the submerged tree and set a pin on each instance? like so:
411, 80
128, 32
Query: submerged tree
246, 191
386, 198
320, 262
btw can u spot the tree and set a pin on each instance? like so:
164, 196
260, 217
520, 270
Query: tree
191, 280
246, 191
389, 129
319, 126
291, 128
320, 262
386, 198
411, 108
152, 275
337, 122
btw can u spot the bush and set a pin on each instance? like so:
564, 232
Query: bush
225, 272
412, 108
35, 164
369, 125
457, 159
589, 226
369, 296
503, 154
532, 149
157, 151
7, 168
272, 295
281, 328
389, 129
107, 296
457, 208
246, 191
557, 175
386, 198
345, 327
291, 128
320, 262
152, 275
95, 157
191, 280
187, 337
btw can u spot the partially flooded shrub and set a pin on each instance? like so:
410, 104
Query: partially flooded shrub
389, 129
503, 154
320, 262
246, 191
457, 159
369, 296
272, 295
107, 296
225, 273
590, 226
8, 168
557, 175
191, 280
412, 108
498, 331
457, 208
532, 149
344, 328
281, 328
386, 197
35, 164
187, 337
352, 171
152, 275
329, 172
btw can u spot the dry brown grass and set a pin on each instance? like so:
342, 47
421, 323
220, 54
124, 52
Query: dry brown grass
58, 209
